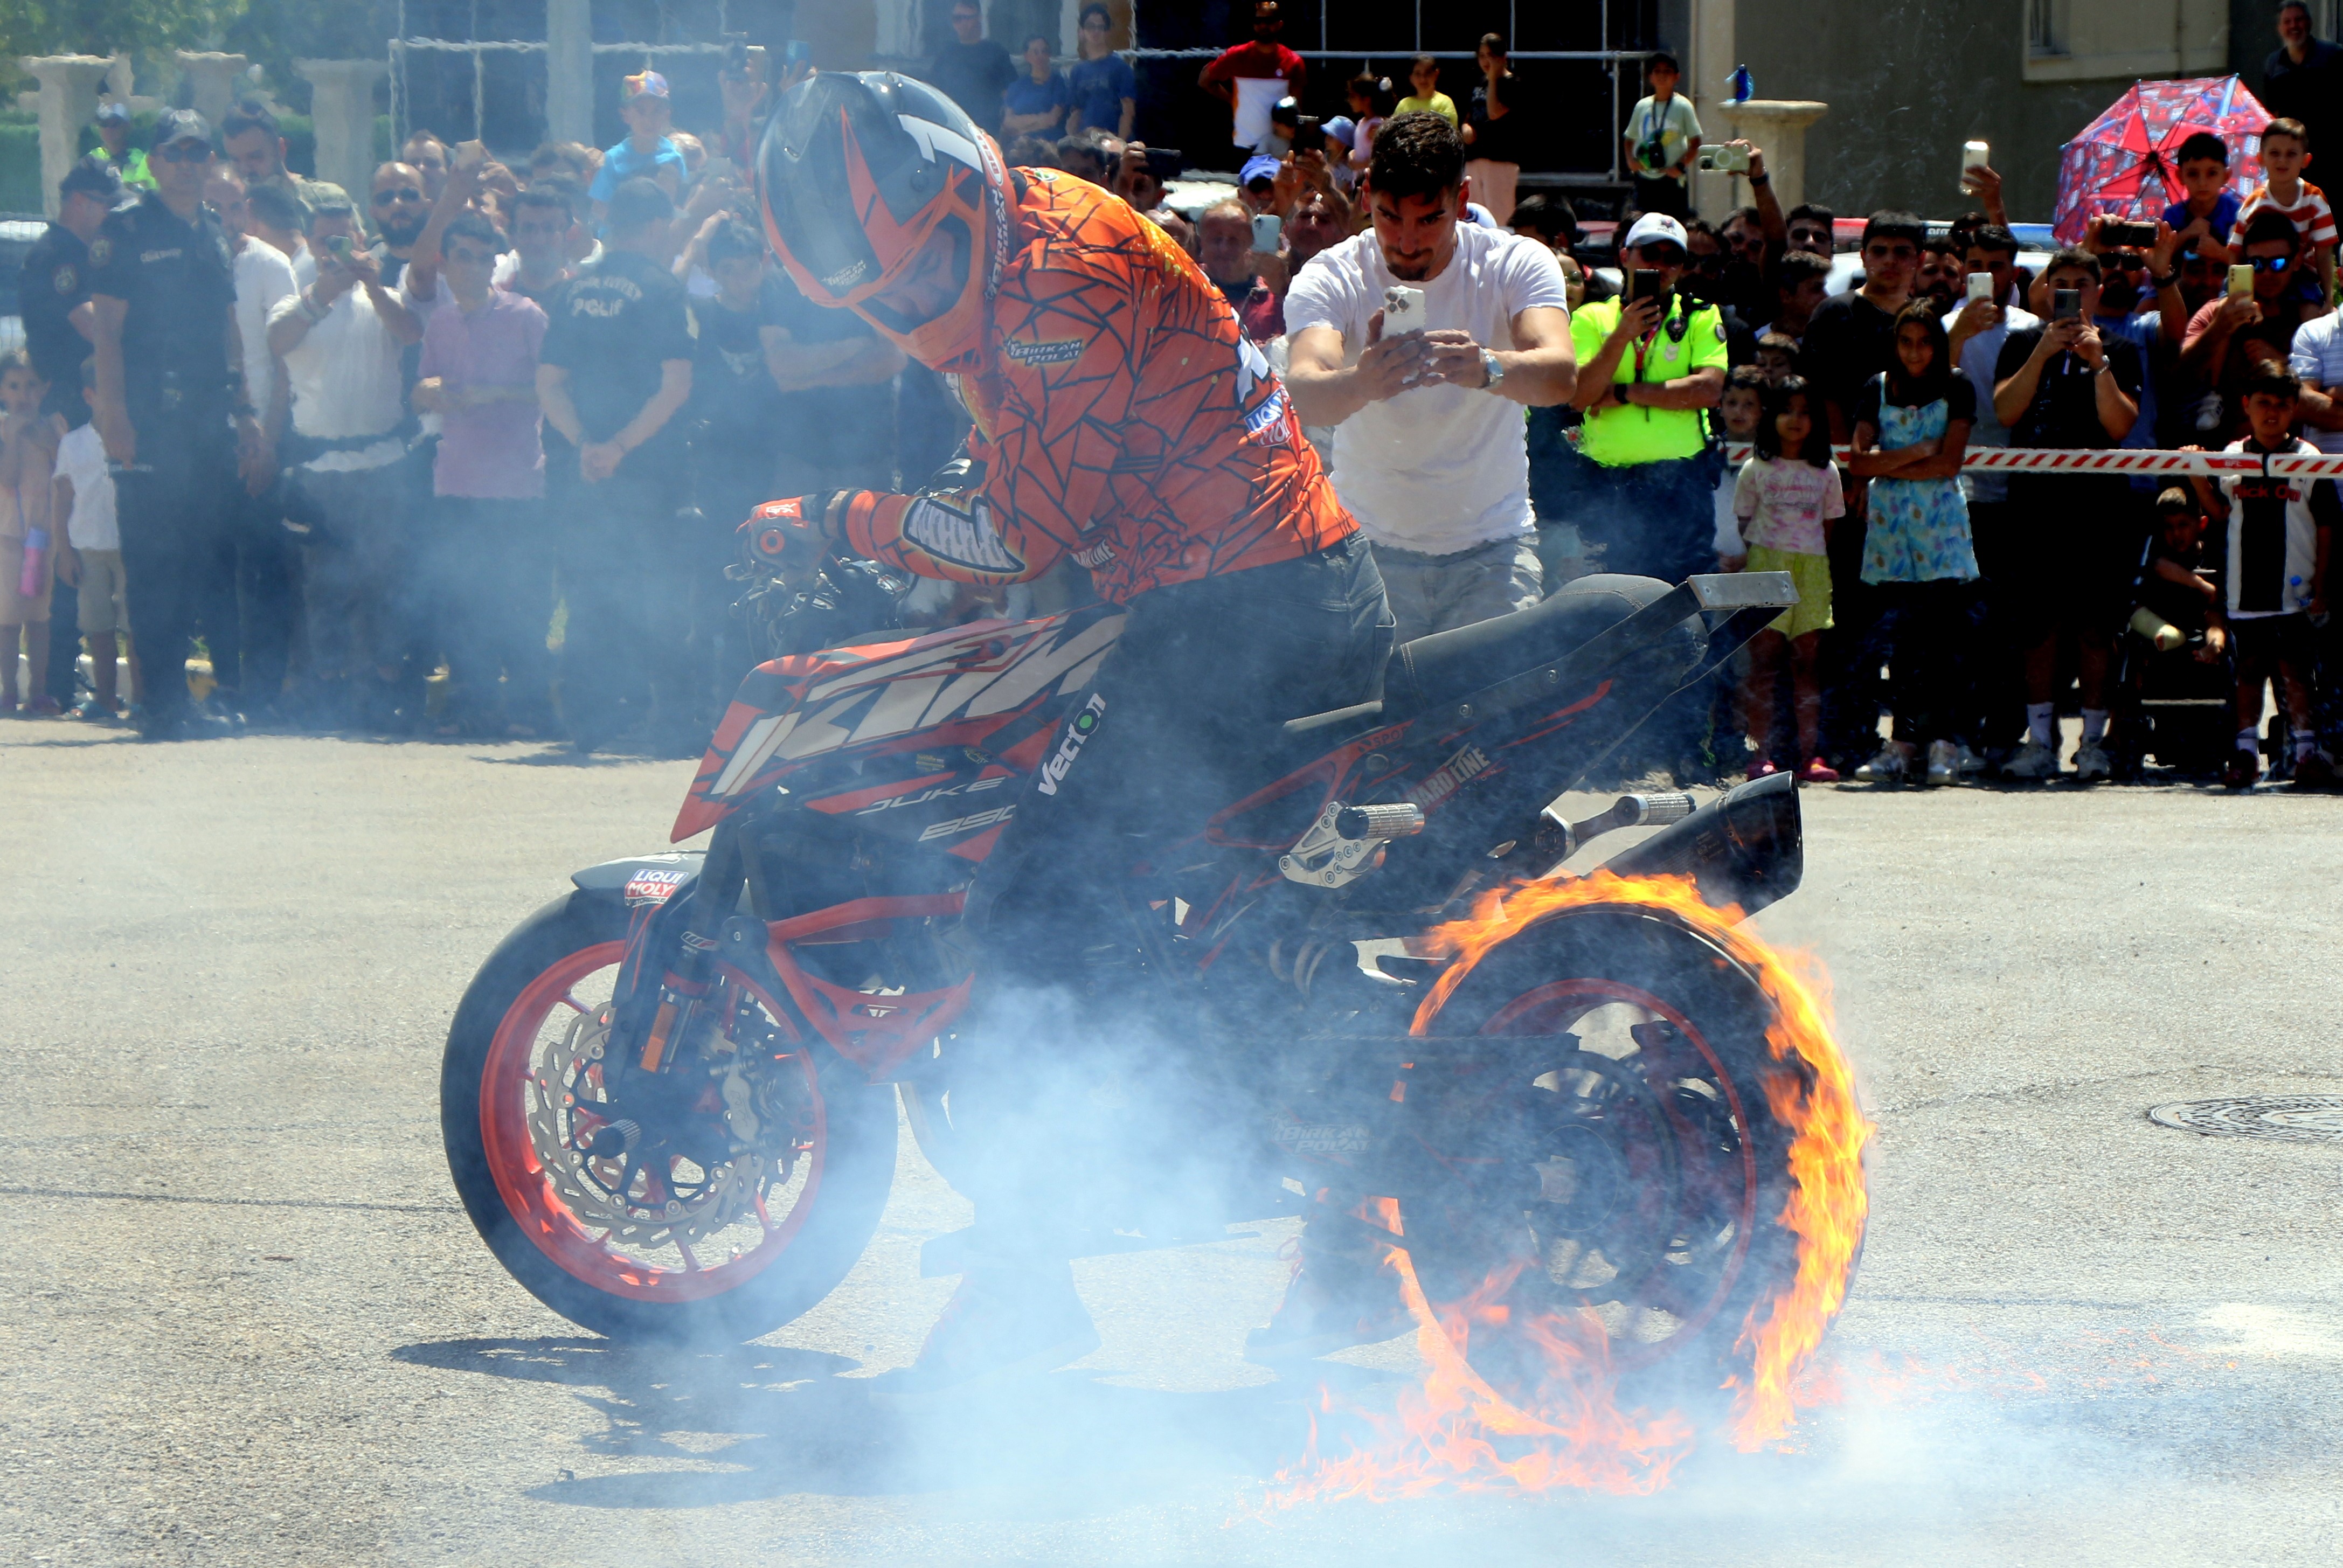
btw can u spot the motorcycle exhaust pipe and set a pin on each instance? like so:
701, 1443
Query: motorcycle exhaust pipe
1746, 846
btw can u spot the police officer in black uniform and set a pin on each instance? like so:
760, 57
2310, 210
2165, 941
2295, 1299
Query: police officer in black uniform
56, 283
58, 337
171, 405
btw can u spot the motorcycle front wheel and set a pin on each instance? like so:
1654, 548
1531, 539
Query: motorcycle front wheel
720, 1244
1613, 1190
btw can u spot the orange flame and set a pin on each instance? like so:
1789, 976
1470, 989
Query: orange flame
1456, 1431
1442, 1433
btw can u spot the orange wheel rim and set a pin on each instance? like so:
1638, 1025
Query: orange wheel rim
534, 1198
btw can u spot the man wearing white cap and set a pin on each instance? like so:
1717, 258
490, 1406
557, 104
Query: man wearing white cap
1431, 448
1650, 363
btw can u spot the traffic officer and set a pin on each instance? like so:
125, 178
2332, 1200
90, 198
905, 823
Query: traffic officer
114, 149
1650, 363
171, 404
58, 329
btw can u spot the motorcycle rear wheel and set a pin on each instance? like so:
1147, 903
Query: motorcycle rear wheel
1623, 1199
512, 1078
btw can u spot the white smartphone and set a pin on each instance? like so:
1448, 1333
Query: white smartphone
1980, 286
1974, 155
1266, 226
1403, 310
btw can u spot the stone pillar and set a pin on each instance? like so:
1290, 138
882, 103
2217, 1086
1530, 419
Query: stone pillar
341, 108
570, 71
69, 98
898, 33
1778, 127
216, 79
1708, 68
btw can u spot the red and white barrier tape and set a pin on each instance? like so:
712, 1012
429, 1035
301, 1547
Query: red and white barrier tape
2126, 460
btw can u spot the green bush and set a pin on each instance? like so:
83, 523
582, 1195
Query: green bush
300, 144
20, 167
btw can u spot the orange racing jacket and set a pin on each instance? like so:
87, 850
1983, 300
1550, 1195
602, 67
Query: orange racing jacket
1121, 417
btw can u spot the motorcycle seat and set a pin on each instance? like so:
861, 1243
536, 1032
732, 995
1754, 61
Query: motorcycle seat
1448, 664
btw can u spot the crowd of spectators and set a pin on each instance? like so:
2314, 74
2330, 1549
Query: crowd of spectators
493, 425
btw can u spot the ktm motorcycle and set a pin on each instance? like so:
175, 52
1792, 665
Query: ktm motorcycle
669, 1096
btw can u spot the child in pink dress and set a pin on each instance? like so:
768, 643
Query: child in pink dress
28, 456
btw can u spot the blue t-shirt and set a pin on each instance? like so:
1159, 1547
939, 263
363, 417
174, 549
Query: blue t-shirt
622, 163
2224, 216
1027, 97
1099, 87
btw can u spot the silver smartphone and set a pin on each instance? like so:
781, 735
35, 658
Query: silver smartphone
1266, 226
1403, 310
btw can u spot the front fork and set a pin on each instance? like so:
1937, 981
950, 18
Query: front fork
670, 958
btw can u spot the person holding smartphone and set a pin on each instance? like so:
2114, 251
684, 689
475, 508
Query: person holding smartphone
1653, 362
2229, 334
1229, 245
1431, 447
2066, 383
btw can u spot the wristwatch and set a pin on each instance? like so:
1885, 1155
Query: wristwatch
1491, 368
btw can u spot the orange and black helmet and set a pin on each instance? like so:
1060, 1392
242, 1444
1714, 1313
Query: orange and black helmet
857, 172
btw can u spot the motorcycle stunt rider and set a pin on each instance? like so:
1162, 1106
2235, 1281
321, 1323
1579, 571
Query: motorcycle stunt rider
1121, 418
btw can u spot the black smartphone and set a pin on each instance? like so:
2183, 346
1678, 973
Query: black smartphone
1307, 126
2127, 235
1644, 283
1164, 163
2065, 303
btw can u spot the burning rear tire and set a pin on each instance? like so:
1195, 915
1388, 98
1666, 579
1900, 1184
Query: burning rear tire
1621, 1199
660, 1248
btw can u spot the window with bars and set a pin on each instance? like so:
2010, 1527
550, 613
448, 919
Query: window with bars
2045, 31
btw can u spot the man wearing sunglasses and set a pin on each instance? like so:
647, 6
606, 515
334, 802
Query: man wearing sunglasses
2227, 335
396, 209
2140, 301
171, 402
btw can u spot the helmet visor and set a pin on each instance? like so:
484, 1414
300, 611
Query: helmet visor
905, 309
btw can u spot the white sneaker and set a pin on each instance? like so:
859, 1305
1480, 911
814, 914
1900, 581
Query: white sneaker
1944, 763
2033, 761
1890, 767
1966, 762
2091, 764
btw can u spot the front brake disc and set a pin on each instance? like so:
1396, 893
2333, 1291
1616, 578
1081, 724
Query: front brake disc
635, 1202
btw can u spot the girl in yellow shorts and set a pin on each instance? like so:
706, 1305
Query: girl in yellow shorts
1786, 496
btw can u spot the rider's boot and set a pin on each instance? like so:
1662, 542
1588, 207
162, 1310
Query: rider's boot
1004, 1320
1342, 1296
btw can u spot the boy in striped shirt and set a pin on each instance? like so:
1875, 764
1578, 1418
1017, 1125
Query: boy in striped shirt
2286, 148
2280, 529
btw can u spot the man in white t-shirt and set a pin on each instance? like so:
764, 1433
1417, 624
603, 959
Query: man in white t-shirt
340, 339
1431, 450
252, 628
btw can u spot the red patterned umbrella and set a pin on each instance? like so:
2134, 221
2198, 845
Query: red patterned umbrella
2127, 162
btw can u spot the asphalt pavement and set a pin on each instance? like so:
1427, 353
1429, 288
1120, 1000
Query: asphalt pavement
244, 1322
